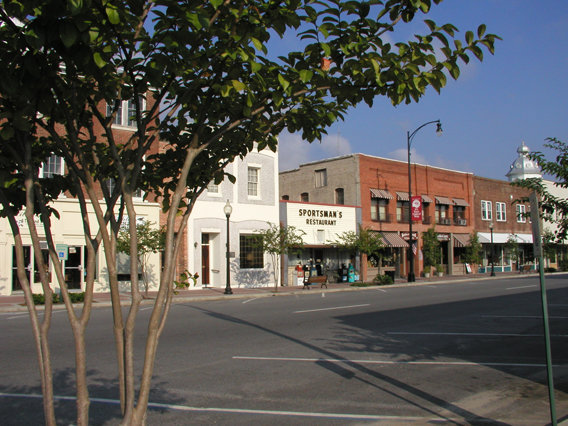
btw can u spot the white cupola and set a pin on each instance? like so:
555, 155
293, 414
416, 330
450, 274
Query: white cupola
523, 167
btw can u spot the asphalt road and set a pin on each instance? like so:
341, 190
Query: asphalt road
461, 353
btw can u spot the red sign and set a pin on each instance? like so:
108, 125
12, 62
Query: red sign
416, 208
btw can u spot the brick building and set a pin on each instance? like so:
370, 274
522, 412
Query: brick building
379, 186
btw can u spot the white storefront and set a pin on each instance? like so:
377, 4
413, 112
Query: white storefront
323, 225
70, 241
254, 203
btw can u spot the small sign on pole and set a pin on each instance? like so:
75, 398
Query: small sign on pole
62, 251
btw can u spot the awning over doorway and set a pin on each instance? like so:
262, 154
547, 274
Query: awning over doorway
393, 239
381, 193
426, 199
461, 240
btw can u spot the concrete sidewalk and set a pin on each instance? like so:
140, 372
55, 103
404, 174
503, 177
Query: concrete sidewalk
15, 303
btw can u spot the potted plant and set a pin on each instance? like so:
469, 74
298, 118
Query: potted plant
440, 270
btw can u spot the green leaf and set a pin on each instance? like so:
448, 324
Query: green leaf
112, 13
481, 30
68, 34
283, 82
99, 61
238, 85
75, 6
216, 3
306, 75
469, 37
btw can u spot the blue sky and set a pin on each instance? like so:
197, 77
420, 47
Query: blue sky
518, 94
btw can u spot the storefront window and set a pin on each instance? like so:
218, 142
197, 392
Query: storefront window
251, 254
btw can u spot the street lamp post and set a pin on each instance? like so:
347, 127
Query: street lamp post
228, 210
409, 138
492, 251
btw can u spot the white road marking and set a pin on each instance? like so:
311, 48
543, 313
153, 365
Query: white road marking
248, 300
428, 333
524, 286
331, 309
521, 316
179, 407
390, 362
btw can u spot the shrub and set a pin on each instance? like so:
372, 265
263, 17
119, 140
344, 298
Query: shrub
383, 279
563, 265
549, 269
77, 297
39, 298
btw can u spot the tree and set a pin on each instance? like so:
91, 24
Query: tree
512, 248
473, 250
554, 208
149, 240
202, 81
366, 241
431, 248
278, 240
549, 246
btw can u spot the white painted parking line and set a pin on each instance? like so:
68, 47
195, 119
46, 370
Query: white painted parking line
524, 286
436, 333
521, 316
393, 362
179, 407
331, 309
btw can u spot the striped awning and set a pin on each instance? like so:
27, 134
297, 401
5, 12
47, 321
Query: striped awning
381, 193
460, 202
443, 200
426, 199
402, 196
461, 240
393, 239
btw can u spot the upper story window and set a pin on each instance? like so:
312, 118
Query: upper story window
500, 212
212, 188
379, 208
321, 178
442, 214
51, 167
402, 211
304, 197
252, 181
339, 196
285, 197
486, 210
521, 213
125, 112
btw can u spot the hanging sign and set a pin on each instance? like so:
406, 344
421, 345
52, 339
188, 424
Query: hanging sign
416, 208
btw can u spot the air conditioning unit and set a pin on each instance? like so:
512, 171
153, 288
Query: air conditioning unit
462, 222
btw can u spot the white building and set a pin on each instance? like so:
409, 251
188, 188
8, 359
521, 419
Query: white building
70, 242
254, 202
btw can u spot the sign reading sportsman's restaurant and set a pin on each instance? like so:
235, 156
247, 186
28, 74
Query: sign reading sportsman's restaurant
322, 223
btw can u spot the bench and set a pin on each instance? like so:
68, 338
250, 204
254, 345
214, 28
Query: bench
318, 279
525, 269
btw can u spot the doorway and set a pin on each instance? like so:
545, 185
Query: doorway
16, 284
74, 268
205, 259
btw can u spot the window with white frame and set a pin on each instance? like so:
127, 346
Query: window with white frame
51, 167
500, 212
125, 112
321, 178
486, 210
213, 188
252, 181
521, 213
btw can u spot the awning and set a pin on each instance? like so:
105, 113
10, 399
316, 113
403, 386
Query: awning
443, 200
460, 202
402, 196
502, 238
381, 193
461, 240
426, 199
393, 239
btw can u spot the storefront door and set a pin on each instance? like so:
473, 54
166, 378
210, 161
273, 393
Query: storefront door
205, 259
16, 285
74, 268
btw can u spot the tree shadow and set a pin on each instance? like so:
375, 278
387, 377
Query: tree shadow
344, 368
22, 405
